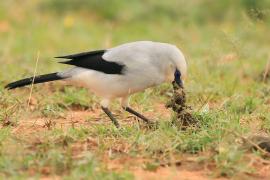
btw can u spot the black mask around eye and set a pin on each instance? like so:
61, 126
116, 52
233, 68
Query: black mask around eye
177, 78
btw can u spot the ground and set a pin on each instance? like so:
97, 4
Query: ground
56, 131
80, 133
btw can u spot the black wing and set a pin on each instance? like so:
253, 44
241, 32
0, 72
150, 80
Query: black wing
93, 60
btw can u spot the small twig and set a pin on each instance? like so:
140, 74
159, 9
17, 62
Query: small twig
266, 71
205, 102
10, 108
256, 146
32, 84
250, 142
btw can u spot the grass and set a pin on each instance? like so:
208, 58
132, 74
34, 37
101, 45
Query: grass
64, 134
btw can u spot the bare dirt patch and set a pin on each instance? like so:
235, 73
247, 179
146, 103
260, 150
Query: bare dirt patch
117, 157
171, 173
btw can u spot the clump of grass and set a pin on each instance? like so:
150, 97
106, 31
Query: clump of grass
183, 118
8, 115
52, 111
74, 98
229, 161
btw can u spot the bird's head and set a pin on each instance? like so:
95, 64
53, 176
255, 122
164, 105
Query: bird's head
179, 66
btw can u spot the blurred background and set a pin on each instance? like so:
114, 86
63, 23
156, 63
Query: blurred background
226, 44
212, 34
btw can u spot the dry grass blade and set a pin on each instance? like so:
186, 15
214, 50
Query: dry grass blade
266, 71
264, 152
32, 84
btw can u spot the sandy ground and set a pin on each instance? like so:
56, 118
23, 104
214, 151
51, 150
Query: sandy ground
185, 170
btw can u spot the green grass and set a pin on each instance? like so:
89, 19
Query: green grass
226, 45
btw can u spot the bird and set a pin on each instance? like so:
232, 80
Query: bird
119, 72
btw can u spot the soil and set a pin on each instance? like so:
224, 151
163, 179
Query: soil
187, 168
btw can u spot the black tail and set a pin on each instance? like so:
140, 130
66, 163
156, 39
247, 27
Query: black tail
36, 80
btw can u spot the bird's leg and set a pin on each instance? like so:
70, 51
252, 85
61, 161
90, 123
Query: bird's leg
125, 106
128, 109
109, 114
104, 106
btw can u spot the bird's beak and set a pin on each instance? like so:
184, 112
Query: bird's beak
179, 82
177, 79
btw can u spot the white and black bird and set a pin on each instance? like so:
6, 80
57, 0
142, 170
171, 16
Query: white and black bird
119, 72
